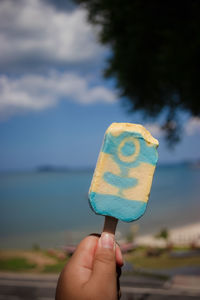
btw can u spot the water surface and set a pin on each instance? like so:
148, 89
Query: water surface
52, 209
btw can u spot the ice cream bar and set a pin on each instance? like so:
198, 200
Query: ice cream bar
123, 176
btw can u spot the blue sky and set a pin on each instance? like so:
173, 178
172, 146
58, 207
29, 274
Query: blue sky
54, 103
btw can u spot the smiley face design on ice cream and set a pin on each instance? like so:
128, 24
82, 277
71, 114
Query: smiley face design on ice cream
124, 172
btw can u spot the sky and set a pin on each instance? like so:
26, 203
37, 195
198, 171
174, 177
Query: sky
55, 104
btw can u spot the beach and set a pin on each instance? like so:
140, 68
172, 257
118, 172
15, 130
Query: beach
182, 236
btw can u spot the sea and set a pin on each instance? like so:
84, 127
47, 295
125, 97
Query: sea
50, 209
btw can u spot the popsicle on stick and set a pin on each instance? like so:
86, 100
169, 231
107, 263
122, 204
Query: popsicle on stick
123, 176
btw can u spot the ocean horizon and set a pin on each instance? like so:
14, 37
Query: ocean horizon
51, 209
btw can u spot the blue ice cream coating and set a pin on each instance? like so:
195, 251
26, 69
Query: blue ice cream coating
111, 205
147, 154
116, 205
118, 181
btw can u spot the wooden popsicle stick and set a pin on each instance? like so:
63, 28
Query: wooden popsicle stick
110, 225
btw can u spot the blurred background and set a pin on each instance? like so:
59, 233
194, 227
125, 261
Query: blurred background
67, 71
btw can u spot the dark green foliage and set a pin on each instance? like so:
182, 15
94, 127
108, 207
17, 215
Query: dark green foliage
155, 54
163, 234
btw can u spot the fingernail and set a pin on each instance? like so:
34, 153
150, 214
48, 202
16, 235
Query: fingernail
107, 240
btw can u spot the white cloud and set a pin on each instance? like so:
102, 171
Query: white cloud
34, 29
37, 92
33, 33
192, 126
155, 129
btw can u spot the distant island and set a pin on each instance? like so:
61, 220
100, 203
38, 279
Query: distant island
194, 164
64, 169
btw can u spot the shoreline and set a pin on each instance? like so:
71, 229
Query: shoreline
180, 235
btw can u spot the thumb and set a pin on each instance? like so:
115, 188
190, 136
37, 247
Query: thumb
104, 265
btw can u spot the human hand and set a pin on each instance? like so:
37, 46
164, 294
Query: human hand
91, 274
